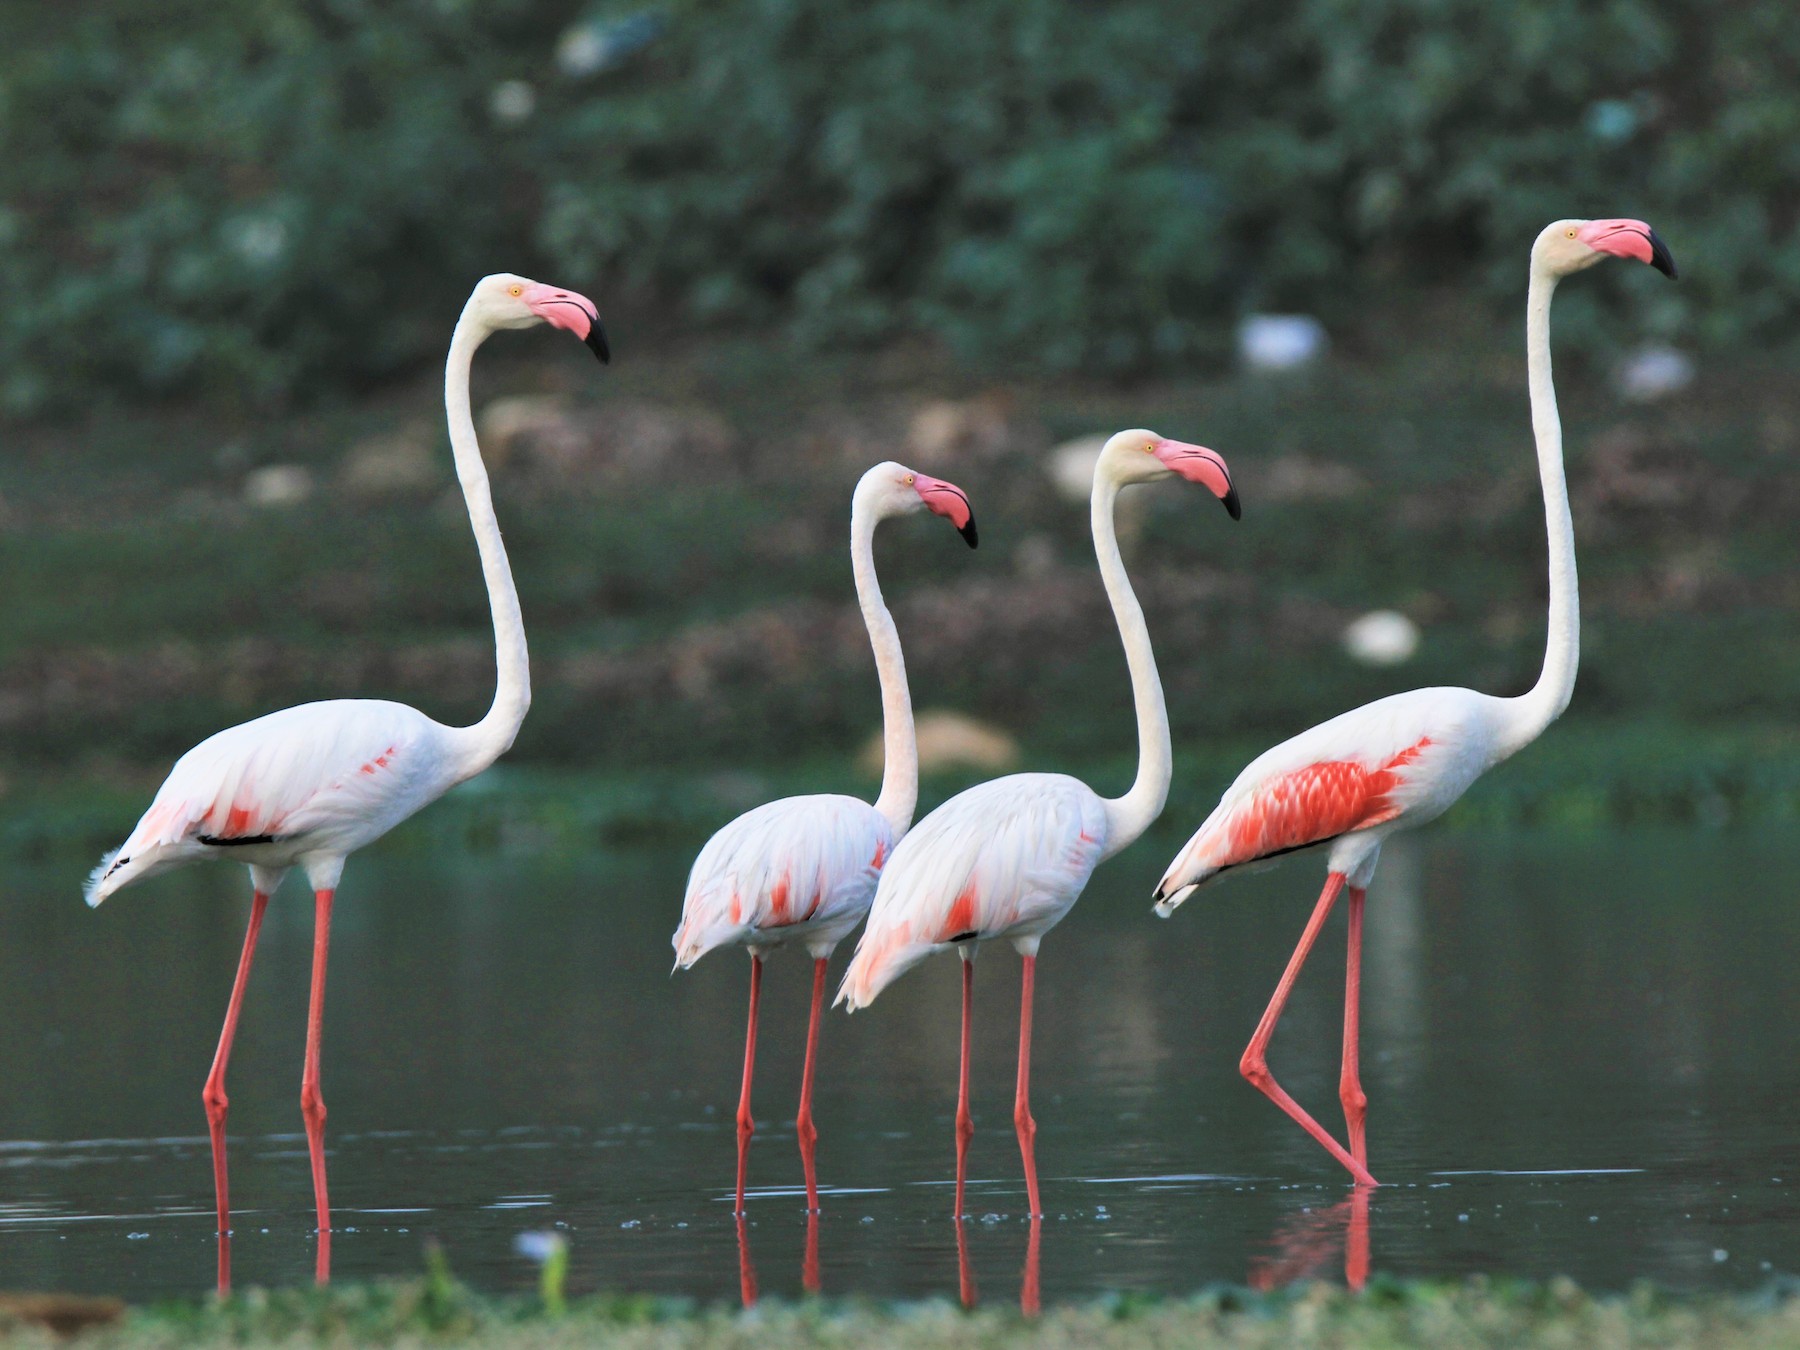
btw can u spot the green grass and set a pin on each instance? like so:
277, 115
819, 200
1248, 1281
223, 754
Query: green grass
1477, 1313
692, 617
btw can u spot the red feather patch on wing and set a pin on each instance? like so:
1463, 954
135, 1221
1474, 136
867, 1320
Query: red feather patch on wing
1313, 804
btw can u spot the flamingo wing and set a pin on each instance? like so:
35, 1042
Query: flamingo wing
341, 772
1004, 859
1397, 757
803, 863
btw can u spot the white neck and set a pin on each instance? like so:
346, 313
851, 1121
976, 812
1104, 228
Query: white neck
1129, 816
493, 735
1543, 704
900, 751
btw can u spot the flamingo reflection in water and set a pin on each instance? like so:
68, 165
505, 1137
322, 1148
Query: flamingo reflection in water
1030, 1286
1304, 1242
809, 1262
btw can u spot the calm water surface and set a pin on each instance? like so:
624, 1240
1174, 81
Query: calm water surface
1582, 1053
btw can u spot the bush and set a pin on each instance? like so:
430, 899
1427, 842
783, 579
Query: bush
253, 193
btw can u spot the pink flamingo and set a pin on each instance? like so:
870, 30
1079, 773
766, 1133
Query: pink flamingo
306, 787
1403, 760
1008, 858
803, 869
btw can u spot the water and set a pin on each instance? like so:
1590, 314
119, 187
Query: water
1581, 1051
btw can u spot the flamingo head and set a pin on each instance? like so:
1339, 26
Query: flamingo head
894, 490
1144, 457
1570, 245
507, 301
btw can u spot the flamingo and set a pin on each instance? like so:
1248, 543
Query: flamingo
1008, 858
803, 869
1403, 760
307, 786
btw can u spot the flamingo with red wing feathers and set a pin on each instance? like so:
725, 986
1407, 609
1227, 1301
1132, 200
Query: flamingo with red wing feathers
1007, 859
1404, 760
308, 786
802, 870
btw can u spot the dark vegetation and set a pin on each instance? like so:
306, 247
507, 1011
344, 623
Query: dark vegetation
1475, 1314
265, 198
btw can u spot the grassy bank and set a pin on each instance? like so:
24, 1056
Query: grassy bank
677, 528
1478, 1313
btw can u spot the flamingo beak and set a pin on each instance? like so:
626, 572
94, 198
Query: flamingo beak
1630, 239
950, 501
1197, 464
573, 313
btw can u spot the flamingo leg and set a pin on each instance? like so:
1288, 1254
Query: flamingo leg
809, 1262
312, 1104
1255, 1065
803, 1123
1350, 1090
1022, 1121
965, 1122
746, 1123
965, 1269
1030, 1298
746, 1267
213, 1095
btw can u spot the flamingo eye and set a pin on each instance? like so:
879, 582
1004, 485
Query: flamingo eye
1571, 234
515, 290
909, 480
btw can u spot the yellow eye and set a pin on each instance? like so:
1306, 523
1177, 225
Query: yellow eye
1571, 234
516, 290
909, 480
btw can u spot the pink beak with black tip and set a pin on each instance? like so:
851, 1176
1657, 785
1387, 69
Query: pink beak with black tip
1629, 239
1199, 465
948, 500
571, 312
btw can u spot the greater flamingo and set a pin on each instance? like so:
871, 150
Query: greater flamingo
1404, 760
306, 787
802, 870
1008, 858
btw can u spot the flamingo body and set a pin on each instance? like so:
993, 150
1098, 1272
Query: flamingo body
1004, 859
799, 870
1389, 765
306, 785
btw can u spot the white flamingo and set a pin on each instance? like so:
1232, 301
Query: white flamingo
1403, 760
802, 870
1008, 858
308, 786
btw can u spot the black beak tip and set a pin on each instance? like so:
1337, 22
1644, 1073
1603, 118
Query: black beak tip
596, 339
1661, 259
1231, 503
968, 533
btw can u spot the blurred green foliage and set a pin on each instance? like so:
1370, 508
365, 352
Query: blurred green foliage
247, 195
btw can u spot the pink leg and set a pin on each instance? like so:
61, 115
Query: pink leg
809, 1263
746, 1123
1350, 1092
965, 1272
312, 1104
1356, 1240
746, 1270
1030, 1301
213, 1095
1255, 1066
1022, 1121
965, 1123
803, 1123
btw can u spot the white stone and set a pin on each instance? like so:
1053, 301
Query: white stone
1071, 466
277, 485
511, 102
1281, 341
1383, 637
1653, 372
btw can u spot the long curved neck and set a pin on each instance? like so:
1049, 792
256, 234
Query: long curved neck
493, 735
900, 750
1129, 816
1538, 708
